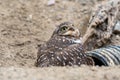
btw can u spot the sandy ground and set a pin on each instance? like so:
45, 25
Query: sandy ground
24, 24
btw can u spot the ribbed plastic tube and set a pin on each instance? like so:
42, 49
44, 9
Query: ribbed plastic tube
108, 56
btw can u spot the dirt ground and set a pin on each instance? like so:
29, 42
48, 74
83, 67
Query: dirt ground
24, 24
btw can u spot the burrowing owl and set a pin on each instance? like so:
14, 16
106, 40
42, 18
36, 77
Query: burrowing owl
63, 48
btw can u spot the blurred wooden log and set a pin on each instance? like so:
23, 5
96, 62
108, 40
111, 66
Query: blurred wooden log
101, 24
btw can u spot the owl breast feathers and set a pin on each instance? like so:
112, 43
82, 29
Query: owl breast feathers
63, 48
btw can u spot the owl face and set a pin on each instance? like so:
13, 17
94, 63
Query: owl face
67, 29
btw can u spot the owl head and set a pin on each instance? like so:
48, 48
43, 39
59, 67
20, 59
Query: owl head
66, 29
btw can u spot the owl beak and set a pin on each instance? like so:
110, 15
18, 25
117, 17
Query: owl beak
72, 32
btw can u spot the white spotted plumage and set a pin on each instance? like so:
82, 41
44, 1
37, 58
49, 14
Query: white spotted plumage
62, 50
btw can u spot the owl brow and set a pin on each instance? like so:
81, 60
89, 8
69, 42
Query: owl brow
65, 25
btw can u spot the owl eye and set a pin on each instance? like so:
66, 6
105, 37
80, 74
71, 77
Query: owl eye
64, 28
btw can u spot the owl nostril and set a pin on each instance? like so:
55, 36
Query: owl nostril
71, 29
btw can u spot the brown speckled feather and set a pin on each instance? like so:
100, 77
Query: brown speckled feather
61, 51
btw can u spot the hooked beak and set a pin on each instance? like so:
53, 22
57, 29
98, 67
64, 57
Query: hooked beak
73, 32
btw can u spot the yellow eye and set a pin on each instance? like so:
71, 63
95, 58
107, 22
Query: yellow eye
64, 28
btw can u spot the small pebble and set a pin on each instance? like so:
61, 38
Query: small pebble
117, 27
51, 2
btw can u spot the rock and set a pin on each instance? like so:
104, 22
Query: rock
117, 27
51, 2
